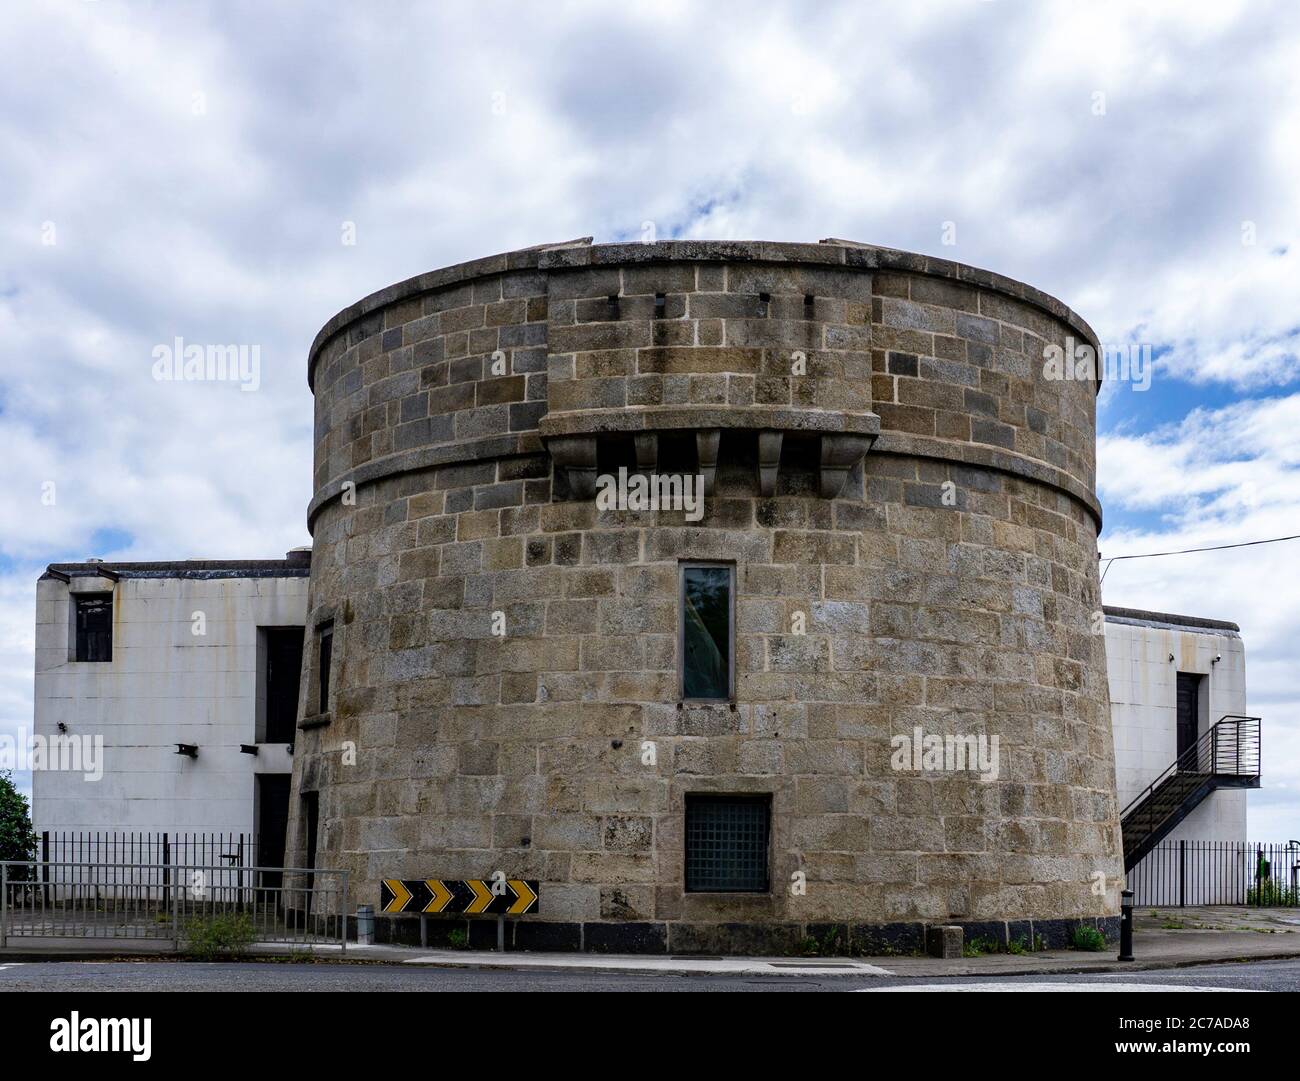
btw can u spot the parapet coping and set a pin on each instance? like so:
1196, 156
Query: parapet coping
183, 568
1168, 621
581, 254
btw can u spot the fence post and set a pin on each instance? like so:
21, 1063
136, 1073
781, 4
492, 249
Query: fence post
45, 867
344, 921
1182, 874
4, 904
1125, 925
176, 916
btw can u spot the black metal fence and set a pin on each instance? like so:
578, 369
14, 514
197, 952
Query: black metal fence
123, 860
1182, 873
178, 903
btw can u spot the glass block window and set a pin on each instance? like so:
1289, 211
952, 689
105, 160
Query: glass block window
726, 843
706, 630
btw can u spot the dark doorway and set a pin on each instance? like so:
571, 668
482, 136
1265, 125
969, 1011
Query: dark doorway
283, 674
1189, 715
272, 820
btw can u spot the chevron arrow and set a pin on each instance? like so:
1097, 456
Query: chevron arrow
525, 897
441, 895
400, 896
482, 896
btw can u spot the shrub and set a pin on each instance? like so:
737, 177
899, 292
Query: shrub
219, 936
977, 947
457, 939
1087, 938
17, 838
1271, 893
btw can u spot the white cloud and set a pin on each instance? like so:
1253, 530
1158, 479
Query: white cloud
1224, 476
446, 132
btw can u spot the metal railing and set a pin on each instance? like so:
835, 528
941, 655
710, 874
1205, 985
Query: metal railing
299, 906
1229, 748
138, 858
1188, 873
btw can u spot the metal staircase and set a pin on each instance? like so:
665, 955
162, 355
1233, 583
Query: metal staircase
1225, 756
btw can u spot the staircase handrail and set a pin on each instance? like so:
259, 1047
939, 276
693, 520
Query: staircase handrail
1209, 738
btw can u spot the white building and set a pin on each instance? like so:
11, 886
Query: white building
190, 673
1178, 695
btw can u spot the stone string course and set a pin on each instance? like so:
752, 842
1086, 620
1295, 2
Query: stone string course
439, 504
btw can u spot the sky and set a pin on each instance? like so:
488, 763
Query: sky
236, 173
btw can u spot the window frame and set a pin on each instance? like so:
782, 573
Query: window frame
766, 800
682, 567
77, 600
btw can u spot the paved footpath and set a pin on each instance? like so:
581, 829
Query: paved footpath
1163, 939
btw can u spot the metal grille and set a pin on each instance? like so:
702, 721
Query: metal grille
726, 843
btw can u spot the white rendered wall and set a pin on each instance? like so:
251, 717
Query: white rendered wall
165, 685
1143, 704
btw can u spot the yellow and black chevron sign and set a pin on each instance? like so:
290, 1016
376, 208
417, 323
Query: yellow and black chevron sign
473, 896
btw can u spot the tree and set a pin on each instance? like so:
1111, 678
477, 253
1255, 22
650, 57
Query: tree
17, 837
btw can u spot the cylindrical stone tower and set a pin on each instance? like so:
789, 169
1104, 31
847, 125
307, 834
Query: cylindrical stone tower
859, 688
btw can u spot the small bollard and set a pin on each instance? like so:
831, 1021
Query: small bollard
365, 925
1126, 925
944, 941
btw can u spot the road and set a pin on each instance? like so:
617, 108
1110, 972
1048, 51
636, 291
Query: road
261, 976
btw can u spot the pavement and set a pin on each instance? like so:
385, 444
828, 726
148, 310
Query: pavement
165, 976
1163, 939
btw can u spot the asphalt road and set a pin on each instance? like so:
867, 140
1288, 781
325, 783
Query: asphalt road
260, 976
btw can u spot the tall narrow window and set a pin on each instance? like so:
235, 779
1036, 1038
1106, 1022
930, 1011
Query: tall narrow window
94, 627
325, 654
707, 631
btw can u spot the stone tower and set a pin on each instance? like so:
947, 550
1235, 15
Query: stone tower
714, 730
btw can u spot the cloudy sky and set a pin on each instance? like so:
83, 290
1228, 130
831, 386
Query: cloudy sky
189, 169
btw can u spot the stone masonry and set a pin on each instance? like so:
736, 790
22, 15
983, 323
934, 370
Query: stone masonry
887, 467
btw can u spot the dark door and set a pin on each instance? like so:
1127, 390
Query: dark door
283, 671
272, 821
1189, 713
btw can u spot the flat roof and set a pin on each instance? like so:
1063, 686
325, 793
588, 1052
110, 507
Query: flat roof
295, 565
1167, 620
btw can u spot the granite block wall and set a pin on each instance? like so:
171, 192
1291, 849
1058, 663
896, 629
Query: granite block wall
908, 503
